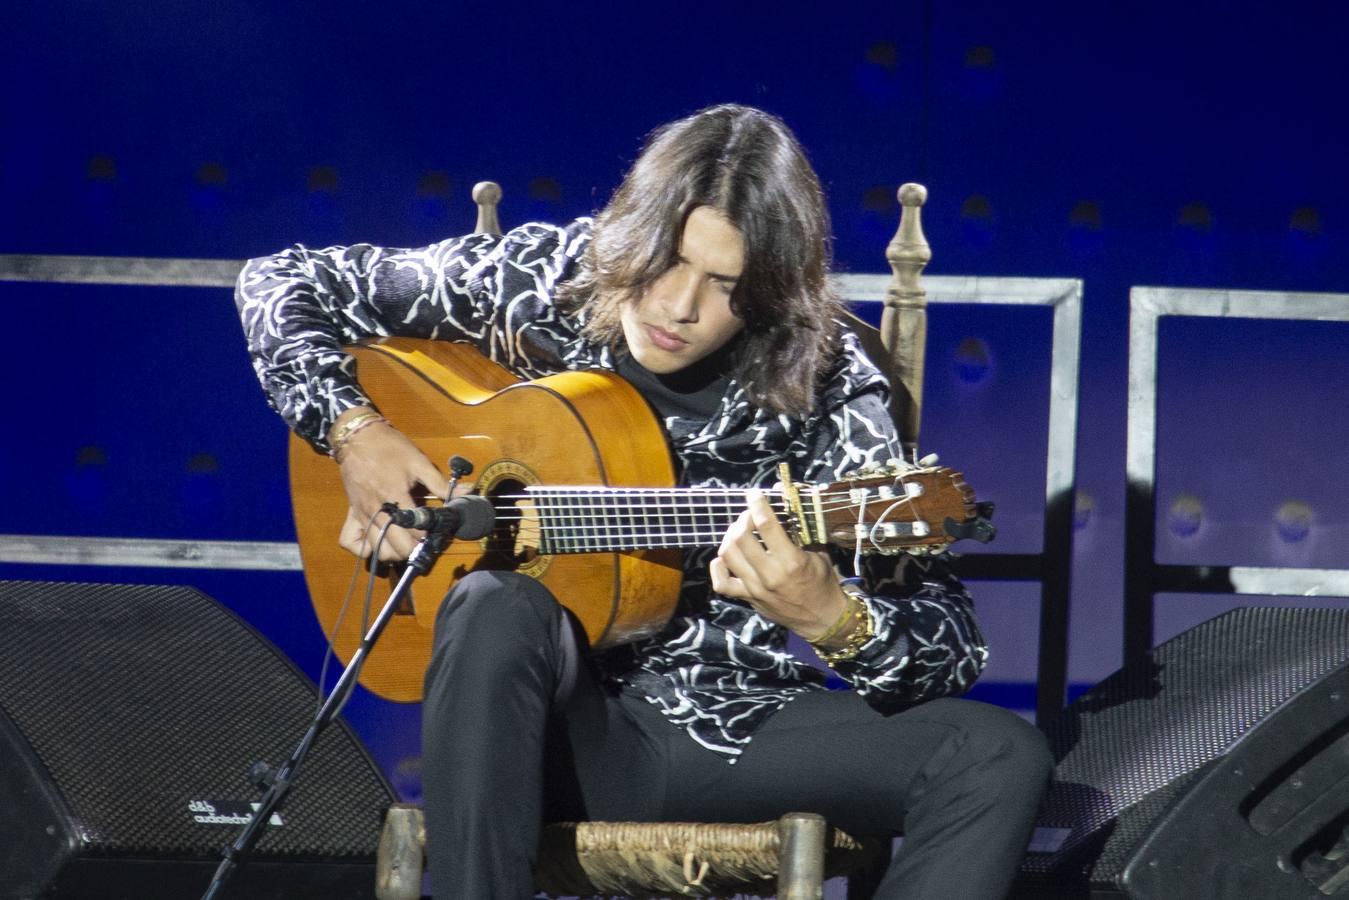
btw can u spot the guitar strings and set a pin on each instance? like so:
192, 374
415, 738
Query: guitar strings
643, 501
581, 519
736, 495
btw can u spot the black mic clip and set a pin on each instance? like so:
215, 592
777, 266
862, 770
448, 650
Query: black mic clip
440, 519
466, 518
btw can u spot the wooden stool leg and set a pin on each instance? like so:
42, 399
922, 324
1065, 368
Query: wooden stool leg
398, 862
801, 859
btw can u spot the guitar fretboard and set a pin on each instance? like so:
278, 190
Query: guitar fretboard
591, 520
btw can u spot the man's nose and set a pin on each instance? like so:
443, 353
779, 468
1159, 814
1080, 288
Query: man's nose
681, 303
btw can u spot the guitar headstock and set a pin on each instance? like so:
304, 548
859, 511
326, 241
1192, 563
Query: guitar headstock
894, 509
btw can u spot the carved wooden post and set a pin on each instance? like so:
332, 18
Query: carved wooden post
487, 194
904, 322
398, 862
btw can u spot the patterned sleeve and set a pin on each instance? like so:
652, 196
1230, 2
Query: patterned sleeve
927, 641
301, 306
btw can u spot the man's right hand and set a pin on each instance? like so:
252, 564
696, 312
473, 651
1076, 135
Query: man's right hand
380, 464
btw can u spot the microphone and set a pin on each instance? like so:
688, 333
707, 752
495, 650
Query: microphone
466, 518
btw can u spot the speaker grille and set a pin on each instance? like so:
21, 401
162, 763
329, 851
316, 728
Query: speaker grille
1134, 742
142, 700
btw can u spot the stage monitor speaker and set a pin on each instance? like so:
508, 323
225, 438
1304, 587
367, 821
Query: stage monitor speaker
1217, 768
129, 717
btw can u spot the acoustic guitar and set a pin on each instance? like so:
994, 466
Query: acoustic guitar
580, 473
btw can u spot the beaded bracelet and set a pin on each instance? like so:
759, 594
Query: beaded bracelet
349, 428
865, 631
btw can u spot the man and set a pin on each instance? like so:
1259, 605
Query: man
704, 283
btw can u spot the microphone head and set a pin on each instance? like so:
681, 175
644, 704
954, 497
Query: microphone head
476, 517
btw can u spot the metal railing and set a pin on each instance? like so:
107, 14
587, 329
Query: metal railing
1052, 566
1144, 577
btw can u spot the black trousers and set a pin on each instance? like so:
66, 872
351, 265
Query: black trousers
518, 731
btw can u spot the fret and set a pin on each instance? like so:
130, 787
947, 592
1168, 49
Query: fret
707, 519
693, 524
585, 516
612, 521
586, 511
602, 518
627, 514
646, 518
671, 530
685, 529
637, 534
675, 533
596, 513
641, 525
689, 534
585, 523
552, 523
541, 509
621, 534
548, 521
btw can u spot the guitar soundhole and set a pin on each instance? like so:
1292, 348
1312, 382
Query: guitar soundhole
514, 542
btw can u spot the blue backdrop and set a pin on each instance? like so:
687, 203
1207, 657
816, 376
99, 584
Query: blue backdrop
1195, 144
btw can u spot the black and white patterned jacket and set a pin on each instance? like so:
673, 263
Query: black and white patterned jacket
718, 669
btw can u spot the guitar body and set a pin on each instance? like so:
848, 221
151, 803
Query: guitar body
574, 428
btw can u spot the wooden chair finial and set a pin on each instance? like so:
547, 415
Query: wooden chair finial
904, 322
487, 194
908, 252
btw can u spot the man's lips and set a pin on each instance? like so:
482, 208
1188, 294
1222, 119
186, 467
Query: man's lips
665, 340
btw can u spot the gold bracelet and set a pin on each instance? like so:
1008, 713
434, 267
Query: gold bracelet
849, 612
865, 631
350, 427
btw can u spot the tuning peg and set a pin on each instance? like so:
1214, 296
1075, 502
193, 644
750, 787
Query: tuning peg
980, 529
929, 460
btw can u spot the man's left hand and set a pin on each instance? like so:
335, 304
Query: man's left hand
785, 584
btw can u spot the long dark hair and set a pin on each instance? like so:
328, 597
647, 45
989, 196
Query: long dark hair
746, 164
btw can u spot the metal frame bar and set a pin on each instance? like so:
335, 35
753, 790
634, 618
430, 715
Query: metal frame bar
1052, 567
279, 556
1144, 578
137, 270
137, 552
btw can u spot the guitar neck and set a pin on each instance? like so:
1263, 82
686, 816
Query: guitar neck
591, 520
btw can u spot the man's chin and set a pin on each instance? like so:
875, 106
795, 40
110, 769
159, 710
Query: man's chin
660, 363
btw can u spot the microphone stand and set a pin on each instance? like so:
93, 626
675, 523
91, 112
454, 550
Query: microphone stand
418, 563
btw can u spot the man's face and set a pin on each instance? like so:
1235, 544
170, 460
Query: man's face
685, 315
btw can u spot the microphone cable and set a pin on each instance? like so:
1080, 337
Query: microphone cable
370, 567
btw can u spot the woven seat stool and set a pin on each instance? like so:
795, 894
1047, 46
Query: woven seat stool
790, 858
